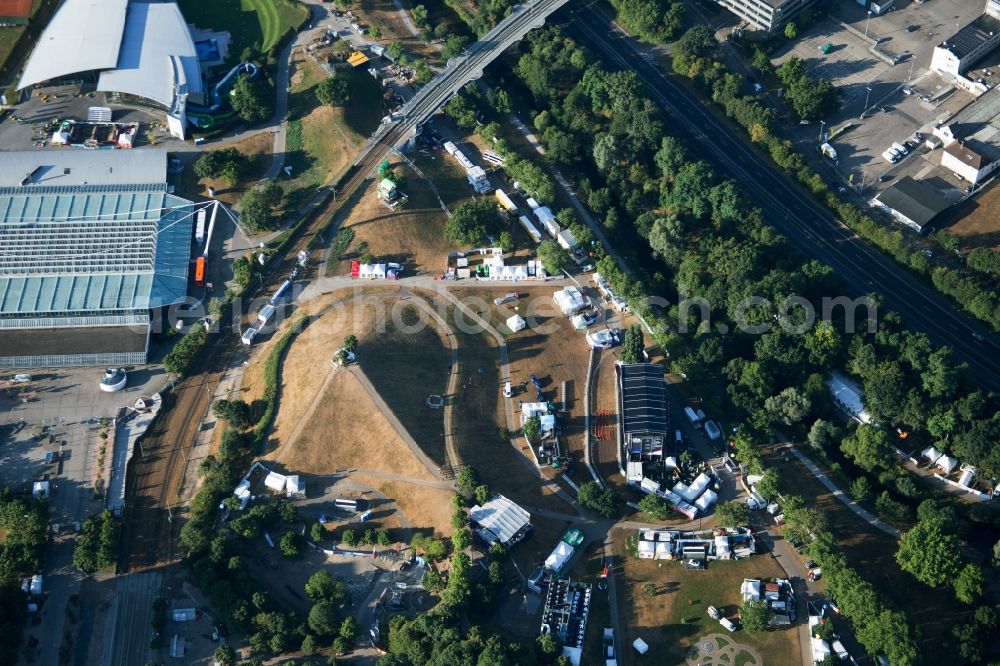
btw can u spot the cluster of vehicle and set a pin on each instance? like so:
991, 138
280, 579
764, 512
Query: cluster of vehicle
898, 151
716, 614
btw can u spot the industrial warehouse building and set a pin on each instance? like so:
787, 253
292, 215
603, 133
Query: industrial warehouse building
642, 410
91, 243
138, 52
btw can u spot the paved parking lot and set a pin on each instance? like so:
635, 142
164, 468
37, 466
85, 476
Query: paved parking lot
868, 84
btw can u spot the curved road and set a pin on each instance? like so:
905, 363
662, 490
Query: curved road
810, 227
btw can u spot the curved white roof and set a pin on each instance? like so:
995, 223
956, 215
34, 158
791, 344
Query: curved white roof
83, 35
156, 38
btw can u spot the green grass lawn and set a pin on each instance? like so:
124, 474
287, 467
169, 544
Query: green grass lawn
8, 38
251, 23
321, 140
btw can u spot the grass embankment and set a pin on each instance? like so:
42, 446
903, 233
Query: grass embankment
322, 140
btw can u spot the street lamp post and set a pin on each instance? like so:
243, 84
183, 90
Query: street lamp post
867, 21
822, 124
867, 95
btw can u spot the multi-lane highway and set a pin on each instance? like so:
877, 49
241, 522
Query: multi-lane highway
809, 226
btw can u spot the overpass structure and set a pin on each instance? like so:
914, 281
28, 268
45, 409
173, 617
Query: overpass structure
401, 126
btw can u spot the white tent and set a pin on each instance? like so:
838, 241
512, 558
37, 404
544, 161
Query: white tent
372, 271
931, 454
516, 323
670, 462
640, 646
559, 557
722, 549
698, 486
573, 654
294, 488
647, 550
968, 474
750, 589
681, 490
275, 482
40, 489
820, 650
633, 472
947, 464
706, 501
663, 550
570, 300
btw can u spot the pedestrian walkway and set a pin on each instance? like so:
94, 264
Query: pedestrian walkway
840, 495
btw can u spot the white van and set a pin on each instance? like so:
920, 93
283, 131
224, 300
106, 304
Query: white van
248, 336
900, 148
838, 649
728, 624
507, 392
21, 379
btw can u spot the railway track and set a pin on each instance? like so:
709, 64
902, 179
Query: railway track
157, 467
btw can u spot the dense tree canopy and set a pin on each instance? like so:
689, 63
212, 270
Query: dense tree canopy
252, 99
470, 223
930, 553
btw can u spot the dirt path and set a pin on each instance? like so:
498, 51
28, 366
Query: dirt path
863, 513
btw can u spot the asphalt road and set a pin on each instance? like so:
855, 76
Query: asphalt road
810, 227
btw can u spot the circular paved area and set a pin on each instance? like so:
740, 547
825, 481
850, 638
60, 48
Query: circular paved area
721, 650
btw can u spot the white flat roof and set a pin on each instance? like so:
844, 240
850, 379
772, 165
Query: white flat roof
153, 34
82, 36
66, 167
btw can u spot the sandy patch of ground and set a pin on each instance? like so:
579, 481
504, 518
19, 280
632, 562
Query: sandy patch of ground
426, 508
345, 430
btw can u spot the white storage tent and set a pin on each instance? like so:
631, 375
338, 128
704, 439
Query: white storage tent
275, 482
750, 589
372, 271
516, 323
698, 486
570, 300
932, 455
706, 501
558, 558
946, 464
647, 550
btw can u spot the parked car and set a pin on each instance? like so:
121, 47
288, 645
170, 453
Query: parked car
728, 624
714, 613
21, 379
603, 339
507, 391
